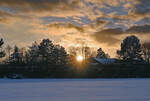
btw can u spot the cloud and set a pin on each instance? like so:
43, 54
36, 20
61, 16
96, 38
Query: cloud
46, 7
22, 34
3, 13
141, 7
112, 36
39, 5
95, 22
4, 16
115, 31
90, 9
139, 29
111, 9
107, 36
68, 26
105, 3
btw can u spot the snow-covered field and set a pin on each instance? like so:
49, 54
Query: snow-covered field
75, 90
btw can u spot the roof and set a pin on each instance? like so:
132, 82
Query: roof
104, 60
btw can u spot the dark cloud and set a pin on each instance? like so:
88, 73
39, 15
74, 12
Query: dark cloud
139, 29
107, 36
66, 25
141, 7
110, 36
4, 14
114, 31
87, 19
101, 22
39, 5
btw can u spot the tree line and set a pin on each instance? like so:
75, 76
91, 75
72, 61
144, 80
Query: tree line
46, 59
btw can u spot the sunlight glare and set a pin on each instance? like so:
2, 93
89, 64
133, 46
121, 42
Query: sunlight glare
79, 58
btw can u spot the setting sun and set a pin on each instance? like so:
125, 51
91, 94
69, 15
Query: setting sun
79, 58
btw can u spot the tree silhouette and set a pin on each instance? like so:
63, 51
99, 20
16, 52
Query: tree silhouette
8, 50
16, 57
2, 53
146, 51
45, 51
101, 54
59, 55
32, 56
130, 49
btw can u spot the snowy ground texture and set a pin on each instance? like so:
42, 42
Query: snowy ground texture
75, 90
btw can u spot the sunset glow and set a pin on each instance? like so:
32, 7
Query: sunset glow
77, 40
74, 22
79, 58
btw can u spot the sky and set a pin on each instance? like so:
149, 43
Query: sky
93, 23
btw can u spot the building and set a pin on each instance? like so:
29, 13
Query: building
103, 61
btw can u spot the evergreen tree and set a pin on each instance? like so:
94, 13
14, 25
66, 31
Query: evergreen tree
32, 56
130, 49
59, 55
45, 51
2, 53
16, 56
146, 51
101, 54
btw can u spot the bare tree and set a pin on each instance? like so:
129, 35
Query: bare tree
8, 50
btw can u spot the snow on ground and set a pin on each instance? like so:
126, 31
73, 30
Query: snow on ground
75, 90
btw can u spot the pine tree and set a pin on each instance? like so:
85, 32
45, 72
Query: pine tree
146, 51
130, 49
59, 55
2, 53
101, 54
45, 50
32, 56
16, 56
